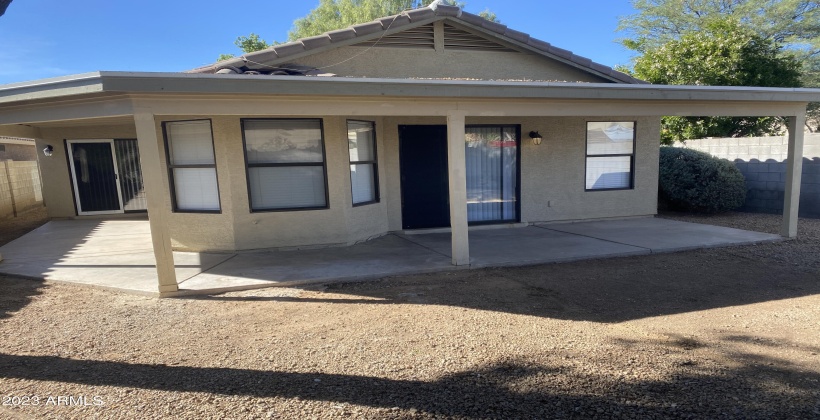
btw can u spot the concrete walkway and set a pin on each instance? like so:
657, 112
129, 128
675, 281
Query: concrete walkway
117, 254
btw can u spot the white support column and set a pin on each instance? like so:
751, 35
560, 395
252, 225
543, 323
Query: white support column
794, 171
458, 187
156, 191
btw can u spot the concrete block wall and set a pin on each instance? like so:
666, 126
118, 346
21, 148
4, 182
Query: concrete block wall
762, 160
20, 187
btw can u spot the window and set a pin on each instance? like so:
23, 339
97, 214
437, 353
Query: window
491, 154
610, 155
286, 164
361, 143
191, 165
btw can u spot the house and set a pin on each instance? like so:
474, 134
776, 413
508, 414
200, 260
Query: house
431, 119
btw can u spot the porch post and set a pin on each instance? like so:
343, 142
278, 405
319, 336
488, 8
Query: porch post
156, 191
794, 171
458, 187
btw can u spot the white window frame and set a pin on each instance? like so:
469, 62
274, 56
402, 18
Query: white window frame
373, 163
172, 166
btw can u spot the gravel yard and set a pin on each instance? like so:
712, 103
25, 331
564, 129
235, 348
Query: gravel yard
720, 333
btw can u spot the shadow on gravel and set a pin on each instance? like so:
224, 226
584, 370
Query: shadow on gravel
17, 293
610, 291
748, 391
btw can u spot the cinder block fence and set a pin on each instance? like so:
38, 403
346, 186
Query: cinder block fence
20, 187
762, 162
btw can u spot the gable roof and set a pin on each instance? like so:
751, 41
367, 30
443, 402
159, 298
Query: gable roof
380, 31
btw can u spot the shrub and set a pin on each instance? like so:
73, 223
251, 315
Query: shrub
696, 181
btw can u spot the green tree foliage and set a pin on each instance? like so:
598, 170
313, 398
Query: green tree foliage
336, 14
722, 53
248, 44
793, 24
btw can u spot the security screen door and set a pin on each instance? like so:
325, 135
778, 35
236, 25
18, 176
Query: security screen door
94, 175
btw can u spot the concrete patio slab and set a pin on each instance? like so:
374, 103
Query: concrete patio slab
662, 235
526, 245
114, 254
384, 256
118, 253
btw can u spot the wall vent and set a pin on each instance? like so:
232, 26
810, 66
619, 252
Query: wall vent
459, 39
419, 37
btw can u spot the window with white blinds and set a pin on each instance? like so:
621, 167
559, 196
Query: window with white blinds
610, 155
192, 166
361, 144
286, 164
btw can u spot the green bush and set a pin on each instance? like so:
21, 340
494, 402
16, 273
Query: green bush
696, 181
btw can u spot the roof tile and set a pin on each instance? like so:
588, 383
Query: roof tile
494, 26
541, 45
291, 48
367, 28
601, 68
560, 52
471, 18
341, 34
420, 14
316, 41
393, 22
581, 60
445, 10
268, 54
516, 35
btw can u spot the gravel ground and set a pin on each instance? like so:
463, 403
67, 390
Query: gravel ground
14, 227
721, 333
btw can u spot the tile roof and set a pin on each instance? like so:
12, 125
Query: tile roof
428, 14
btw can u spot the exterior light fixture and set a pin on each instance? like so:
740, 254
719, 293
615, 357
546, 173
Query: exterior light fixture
536, 138
49, 150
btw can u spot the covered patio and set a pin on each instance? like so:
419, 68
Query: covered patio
143, 255
118, 254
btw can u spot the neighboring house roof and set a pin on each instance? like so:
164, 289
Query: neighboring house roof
266, 61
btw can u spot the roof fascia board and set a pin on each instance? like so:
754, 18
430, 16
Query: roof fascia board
77, 109
398, 107
297, 85
52, 88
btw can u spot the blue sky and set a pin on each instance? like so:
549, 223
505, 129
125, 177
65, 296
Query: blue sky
48, 38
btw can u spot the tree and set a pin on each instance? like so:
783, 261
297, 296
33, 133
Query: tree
248, 44
336, 14
793, 24
722, 53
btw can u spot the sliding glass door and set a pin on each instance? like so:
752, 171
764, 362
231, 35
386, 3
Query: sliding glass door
492, 173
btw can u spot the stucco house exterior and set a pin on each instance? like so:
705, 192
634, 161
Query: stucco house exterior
431, 119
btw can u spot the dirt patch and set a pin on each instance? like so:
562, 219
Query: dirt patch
722, 333
12, 228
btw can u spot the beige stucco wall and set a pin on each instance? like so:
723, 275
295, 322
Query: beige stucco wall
57, 188
552, 174
552, 183
237, 228
429, 63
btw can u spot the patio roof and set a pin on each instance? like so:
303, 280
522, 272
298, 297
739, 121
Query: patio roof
116, 83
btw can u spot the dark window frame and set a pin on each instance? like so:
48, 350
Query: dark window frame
172, 166
517, 218
631, 156
248, 166
374, 162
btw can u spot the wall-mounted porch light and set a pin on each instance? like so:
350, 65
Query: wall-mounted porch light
49, 150
536, 138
